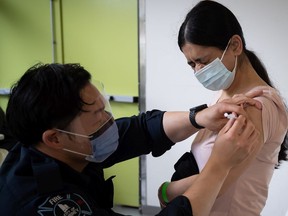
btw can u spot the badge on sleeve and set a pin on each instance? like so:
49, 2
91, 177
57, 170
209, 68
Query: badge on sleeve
65, 204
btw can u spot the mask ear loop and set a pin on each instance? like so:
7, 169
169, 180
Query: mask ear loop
75, 134
75, 152
235, 65
225, 49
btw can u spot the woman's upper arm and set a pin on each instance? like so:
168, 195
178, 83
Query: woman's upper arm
255, 115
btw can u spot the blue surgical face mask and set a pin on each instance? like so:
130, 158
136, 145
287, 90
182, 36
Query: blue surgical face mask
215, 76
102, 145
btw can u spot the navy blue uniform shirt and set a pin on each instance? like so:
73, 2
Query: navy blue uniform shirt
32, 183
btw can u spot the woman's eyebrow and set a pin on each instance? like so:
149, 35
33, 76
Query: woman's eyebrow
195, 61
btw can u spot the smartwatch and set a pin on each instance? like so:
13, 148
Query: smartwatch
192, 115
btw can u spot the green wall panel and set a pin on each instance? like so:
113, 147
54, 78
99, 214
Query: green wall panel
25, 38
102, 35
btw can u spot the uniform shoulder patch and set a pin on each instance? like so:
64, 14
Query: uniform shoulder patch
67, 204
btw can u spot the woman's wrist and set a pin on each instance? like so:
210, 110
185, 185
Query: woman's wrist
162, 194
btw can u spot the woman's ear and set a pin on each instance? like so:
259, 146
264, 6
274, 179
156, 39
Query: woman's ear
52, 138
236, 45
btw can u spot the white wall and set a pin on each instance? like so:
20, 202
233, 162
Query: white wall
171, 85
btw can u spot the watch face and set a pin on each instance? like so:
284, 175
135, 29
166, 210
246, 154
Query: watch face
65, 204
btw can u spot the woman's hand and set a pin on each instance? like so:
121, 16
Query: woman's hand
213, 117
235, 142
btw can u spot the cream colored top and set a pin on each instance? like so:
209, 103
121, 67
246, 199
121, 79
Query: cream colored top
247, 196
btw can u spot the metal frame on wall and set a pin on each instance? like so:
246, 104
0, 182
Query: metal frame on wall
144, 208
142, 93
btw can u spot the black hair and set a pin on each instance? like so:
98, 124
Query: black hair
46, 96
209, 23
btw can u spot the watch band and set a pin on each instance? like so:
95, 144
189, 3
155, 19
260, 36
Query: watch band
192, 115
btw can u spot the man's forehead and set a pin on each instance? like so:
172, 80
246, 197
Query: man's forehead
91, 94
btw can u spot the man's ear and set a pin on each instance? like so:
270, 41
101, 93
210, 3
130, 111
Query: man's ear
52, 138
236, 44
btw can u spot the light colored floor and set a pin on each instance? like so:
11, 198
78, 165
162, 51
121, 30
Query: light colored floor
128, 211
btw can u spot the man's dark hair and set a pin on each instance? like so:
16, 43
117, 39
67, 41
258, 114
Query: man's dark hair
46, 96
